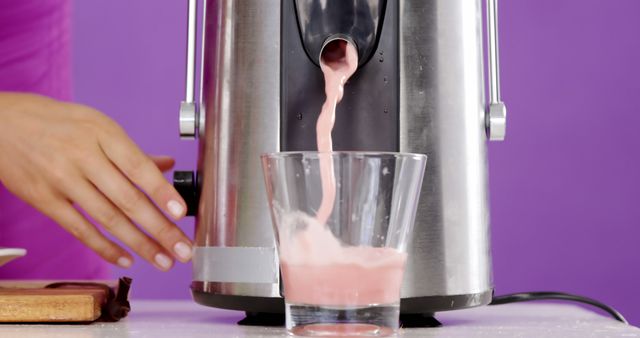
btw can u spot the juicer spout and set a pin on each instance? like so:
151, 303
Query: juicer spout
358, 22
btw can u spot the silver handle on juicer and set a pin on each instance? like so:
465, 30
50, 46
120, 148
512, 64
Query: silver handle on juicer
496, 120
188, 107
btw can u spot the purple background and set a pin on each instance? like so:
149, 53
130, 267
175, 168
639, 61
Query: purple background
564, 185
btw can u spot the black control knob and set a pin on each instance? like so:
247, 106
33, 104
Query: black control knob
186, 185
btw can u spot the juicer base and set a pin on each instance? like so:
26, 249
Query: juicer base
421, 306
248, 304
432, 304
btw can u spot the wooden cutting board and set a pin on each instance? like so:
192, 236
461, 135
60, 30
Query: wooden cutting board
32, 302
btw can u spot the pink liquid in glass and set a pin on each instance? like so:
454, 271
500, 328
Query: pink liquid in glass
317, 269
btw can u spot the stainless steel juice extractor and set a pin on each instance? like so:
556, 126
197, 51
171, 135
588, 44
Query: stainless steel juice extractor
420, 87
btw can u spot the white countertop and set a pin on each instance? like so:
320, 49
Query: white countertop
187, 319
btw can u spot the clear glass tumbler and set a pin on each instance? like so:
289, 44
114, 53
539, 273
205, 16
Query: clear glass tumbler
342, 240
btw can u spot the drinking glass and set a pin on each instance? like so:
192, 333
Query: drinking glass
342, 268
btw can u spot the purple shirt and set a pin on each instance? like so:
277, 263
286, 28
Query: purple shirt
35, 57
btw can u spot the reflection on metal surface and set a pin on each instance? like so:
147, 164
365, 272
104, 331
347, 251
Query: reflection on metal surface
241, 96
442, 115
239, 289
235, 264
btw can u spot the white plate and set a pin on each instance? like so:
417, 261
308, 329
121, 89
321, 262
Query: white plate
9, 254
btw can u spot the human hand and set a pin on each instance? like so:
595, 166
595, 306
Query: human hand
60, 157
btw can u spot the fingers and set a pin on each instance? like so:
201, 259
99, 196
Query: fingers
164, 163
137, 207
69, 218
115, 222
141, 170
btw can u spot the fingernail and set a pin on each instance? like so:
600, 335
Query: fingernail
163, 261
175, 208
183, 250
124, 262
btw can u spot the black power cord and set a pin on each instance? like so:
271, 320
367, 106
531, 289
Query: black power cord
530, 296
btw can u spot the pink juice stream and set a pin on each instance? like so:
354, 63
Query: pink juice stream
317, 269
338, 62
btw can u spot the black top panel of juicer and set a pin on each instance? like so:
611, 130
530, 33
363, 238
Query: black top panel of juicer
367, 118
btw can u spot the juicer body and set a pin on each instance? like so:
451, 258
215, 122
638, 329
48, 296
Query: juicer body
419, 89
